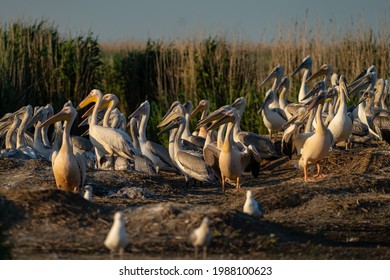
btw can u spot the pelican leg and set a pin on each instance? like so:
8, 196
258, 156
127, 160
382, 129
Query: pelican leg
319, 175
112, 162
223, 183
270, 134
204, 252
238, 183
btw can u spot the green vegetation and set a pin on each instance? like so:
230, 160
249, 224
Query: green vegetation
38, 66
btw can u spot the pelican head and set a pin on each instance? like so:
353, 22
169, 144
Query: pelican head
174, 123
320, 85
202, 105
277, 72
239, 104
365, 82
67, 114
92, 97
177, 111
108, 100
285, 83
228, 116
173, 105
343, 87
368, 94
267, 99
306, 64
325, 70
214, 115
188, 107
143, 109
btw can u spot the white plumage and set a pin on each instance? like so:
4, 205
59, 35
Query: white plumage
251, 206
116, 239
201, 237
88, 192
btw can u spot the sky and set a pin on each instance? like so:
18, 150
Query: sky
251, 20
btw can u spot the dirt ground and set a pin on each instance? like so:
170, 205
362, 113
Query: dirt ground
346, 215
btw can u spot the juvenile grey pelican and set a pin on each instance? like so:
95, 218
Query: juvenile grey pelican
157, 153
201, 237
307, 65
317, 146
277, 74
107, 140
69, 169
273, 118
251, 206
377, 119
189, 162
116, 239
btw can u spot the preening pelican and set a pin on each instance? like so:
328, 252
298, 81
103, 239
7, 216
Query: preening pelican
68, 169
318, 145
106, 139
201, 237
307, 65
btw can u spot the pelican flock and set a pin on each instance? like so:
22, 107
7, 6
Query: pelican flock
217, 152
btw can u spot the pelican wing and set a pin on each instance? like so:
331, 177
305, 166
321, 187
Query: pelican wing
281, 113
160, 151
211, 157
263, 145
359, 128
192, 162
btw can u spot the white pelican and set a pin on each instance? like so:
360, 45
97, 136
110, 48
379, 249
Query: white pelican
341, 124
155, 152
189, 162
141, 162
318, 145
201, 237
107, 140
116, 239
88, 193
273, 118
277, 74
307, 65
251, 206
232, 161
69, 169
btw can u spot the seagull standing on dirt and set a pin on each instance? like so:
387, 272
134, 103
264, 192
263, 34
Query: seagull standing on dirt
251, 206
116, 239
201, 237
88, 192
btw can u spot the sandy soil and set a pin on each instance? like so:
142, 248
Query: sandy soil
343, 216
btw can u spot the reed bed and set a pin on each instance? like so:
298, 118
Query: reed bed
40, 66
